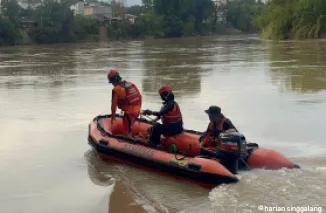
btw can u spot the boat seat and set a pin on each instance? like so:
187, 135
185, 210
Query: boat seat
171, 135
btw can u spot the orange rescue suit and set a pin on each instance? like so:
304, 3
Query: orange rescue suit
126, 97
173, 116
213, 131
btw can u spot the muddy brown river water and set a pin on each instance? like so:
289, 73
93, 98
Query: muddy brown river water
274, 92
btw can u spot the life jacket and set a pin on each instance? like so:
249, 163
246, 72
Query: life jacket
215, 130
173, 116
133, 97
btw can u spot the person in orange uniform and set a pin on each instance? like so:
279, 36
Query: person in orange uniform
218, 124
125, 96
170, 115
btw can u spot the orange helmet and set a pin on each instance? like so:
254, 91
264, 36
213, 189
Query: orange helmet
165, 89
112, 74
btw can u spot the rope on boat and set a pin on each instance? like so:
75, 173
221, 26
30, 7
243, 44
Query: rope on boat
175, 150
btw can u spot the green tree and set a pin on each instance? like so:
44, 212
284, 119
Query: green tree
292, 19
54, 22
12, 10
31, 4
83, 27
118, 9
183, 17
134, 10
8, 32
147, 4
309, 19
240, 13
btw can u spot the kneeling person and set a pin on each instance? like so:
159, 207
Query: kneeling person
170, 115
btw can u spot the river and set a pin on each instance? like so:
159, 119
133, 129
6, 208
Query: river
274, 92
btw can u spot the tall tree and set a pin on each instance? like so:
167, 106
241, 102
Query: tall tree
135, 10
12, 10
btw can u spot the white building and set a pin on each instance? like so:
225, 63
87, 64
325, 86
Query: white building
78, 8
92, 9
101, 12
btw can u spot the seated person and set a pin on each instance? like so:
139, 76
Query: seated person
170, 115
218, 124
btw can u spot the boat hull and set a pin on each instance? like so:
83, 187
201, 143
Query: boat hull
208, 171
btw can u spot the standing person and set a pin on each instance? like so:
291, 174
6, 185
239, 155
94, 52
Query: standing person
125, 96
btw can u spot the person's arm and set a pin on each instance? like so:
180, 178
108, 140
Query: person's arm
114, 102
204, 138
204, 134
228, 126
141, 97
165, 109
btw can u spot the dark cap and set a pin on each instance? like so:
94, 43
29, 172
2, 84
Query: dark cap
213, 110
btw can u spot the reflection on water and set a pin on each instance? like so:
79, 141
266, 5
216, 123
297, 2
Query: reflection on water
48, 69
174, 62
141, 189
121, 198
299, 66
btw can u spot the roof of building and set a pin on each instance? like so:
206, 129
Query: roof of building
96, 6
130, 16
100, 17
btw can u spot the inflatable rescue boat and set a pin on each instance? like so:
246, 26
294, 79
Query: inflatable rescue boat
180, 155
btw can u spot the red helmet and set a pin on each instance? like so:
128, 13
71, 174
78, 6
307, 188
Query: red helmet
165, 88
111, 74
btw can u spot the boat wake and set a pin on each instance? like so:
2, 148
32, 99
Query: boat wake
153, 193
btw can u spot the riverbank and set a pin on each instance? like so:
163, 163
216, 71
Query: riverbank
103, 37
55, 22
297, 19
269, 33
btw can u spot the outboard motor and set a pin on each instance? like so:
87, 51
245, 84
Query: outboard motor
231, 149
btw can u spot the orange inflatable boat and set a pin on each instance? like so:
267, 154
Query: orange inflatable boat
181, 155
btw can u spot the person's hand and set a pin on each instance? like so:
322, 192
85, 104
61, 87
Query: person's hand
147, 112
112, 119
154, 121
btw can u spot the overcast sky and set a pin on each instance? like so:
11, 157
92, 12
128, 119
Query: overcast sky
133, 2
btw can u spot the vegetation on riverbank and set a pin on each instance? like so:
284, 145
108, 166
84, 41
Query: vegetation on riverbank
50, 22
292, 19
179, 18
53, 21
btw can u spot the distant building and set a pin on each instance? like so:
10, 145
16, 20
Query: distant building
78, 8
94, 9
130, 18
102, 12
98, 11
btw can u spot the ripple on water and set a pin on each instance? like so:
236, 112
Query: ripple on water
283, 188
